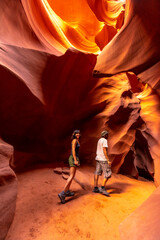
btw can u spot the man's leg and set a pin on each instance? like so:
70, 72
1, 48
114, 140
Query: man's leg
96, 177
102, 189
104, 182
107, 174
96, 189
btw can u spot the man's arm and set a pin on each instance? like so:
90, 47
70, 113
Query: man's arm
106, 155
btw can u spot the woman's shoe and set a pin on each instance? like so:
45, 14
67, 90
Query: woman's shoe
96, 190
69, 193
62, 197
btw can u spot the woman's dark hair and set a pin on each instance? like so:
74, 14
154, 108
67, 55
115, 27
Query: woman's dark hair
74, 134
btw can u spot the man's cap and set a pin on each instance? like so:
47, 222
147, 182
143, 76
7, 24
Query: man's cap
104, 133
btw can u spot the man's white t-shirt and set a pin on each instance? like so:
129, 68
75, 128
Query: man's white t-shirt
102, 142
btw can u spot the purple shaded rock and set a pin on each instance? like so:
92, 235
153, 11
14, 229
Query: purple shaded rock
143, 223
8, 189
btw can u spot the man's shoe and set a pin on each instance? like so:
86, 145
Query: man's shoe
69, 193
103, 191
95, 190
62, 197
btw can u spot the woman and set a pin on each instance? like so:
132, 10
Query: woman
73, 163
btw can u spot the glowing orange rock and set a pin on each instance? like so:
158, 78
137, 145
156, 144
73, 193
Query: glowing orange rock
136, 48
61, 25
49, 90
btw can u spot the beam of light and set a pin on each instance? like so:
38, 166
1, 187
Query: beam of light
145, 93
58, 26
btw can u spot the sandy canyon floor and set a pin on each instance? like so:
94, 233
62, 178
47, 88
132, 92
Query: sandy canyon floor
40, 215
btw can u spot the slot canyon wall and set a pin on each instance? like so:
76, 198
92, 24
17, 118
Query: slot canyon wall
88, 64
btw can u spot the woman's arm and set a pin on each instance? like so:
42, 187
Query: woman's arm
74, 152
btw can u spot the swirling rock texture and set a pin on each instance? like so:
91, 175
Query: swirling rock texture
50, 90
8, 188
144, 62
48, 50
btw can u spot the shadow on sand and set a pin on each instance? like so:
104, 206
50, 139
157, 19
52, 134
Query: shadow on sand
117, 187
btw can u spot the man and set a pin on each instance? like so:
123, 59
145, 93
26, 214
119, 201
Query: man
102, 164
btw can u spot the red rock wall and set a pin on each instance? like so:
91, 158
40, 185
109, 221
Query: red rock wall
136, 48
48, 96
8, 189
47, 54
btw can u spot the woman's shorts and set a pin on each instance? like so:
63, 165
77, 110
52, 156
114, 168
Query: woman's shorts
71, 161
102, 166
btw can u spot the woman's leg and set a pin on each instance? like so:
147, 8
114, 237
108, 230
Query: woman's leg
69, 180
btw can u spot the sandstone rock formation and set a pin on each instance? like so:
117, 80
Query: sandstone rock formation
8, 189
48, 51
49, 95
136, 48
143, 223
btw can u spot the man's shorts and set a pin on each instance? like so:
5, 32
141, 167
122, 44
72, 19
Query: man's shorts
71, 161
102, 166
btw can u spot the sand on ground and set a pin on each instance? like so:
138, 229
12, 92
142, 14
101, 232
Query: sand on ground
40, 215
